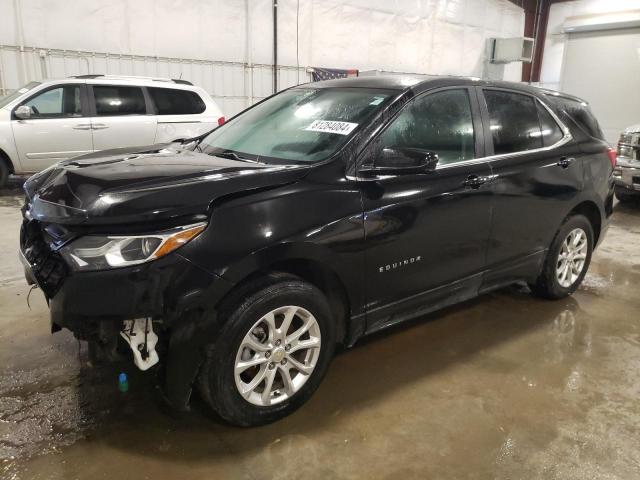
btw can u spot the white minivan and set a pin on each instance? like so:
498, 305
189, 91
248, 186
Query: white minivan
45, 122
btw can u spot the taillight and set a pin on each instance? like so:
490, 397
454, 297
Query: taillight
613, 157
220, 121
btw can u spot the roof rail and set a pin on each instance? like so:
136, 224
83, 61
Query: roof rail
132, 77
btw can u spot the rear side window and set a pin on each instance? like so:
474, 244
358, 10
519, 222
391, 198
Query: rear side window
514, 122
519, 123
551, 132
581, 114
169, 101
56, 103
118, 100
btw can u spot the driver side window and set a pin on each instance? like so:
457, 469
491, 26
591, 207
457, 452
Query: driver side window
440, 122
56, 103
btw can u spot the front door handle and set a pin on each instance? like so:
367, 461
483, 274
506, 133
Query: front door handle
564, 162
82, 126
99, 126
475, 181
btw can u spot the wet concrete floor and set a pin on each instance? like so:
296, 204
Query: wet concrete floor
506, 386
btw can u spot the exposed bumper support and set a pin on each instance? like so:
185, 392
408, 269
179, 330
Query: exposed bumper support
96, 305
142, 339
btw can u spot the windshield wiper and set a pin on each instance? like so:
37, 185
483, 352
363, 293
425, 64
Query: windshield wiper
233, 156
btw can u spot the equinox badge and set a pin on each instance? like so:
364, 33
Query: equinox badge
401, 263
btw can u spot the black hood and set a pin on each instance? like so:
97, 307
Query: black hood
144, 184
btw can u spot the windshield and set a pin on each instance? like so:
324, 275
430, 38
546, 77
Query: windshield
7, 99
301, 124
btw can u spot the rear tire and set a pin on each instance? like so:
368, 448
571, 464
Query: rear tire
254, 332
567, 259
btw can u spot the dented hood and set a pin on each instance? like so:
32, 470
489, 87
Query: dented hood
146, 184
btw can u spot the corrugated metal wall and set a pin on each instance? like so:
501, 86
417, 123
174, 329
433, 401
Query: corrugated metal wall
233, 85
226, 46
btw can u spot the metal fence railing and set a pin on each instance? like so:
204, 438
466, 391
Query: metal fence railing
234, 85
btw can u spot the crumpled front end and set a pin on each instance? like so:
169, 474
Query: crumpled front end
167, 296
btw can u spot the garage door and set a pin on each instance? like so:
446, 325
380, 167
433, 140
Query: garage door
604, 69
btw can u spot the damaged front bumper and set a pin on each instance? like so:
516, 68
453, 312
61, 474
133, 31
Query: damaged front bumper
172, 294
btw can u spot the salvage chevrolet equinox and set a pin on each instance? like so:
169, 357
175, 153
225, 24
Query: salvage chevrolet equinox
237, 261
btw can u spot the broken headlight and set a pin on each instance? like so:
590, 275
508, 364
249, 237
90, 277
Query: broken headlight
101, 252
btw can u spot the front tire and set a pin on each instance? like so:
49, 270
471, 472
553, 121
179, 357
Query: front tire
271, 354
567, 259
4, 172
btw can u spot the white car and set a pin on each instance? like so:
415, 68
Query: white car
45, 122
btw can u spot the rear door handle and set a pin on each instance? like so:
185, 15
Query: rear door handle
475, 181
99, 126
564, 162
82, 126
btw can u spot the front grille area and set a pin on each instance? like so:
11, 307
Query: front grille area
627, 138
47, 266
629, 146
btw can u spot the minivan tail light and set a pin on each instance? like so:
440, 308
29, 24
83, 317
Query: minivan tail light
613, 157
220, 121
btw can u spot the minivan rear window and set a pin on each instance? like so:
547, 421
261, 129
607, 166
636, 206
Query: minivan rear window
169, 101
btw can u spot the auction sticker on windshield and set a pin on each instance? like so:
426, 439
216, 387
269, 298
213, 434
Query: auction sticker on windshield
329, 126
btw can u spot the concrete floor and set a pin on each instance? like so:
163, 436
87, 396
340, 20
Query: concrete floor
505, 386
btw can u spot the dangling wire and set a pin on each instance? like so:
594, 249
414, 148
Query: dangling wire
33, 287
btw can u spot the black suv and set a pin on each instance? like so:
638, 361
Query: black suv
239, 260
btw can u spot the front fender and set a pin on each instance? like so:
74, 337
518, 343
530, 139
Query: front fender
265, 258
7, 142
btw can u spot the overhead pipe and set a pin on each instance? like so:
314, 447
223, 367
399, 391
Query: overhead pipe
17, 8
275, 46
248, 51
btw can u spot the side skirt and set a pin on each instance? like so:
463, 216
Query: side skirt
423, 303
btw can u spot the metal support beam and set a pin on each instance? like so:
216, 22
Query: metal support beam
275, 46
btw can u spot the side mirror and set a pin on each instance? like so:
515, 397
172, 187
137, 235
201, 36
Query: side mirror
402, 161
23, 112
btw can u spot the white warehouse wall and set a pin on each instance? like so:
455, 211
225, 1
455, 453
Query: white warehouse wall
555, 41
416, 36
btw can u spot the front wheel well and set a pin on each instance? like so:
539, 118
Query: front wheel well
591, 211
311, 271
7, 161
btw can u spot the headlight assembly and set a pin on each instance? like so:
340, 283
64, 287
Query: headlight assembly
101, 252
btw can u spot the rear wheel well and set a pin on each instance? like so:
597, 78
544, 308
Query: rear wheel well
310, 271
589, 210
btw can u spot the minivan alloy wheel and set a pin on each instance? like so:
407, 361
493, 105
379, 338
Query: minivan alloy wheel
277, 355
572, 257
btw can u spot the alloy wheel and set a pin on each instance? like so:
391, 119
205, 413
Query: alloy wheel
572, 257
277, 356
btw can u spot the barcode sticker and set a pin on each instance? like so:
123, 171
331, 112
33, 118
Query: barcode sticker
329, 126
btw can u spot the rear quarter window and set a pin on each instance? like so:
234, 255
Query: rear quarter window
169, 101
581, 114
